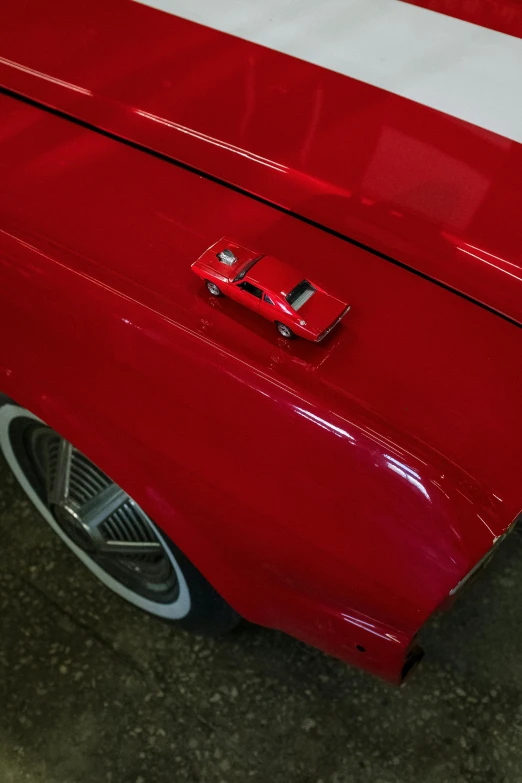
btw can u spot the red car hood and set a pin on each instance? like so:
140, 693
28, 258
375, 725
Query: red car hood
428, 176
418, 394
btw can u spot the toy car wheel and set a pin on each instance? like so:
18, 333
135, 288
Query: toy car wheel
110, 533
285, 331
213, 288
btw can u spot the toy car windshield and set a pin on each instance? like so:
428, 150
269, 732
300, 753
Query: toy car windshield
244, 270
300, 294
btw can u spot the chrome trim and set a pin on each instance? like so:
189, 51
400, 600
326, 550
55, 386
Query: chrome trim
332, 326
227, 257
482, 563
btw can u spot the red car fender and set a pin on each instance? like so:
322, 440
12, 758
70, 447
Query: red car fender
303, 489
107, 385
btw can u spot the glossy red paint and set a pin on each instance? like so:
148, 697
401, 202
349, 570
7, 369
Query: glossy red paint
264, 284
432, 191
371, 472
502, 15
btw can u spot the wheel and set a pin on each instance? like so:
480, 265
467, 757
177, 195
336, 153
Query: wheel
285, 331
106, 529
213, 288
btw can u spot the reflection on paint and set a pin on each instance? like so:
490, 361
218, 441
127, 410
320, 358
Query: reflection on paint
407, 473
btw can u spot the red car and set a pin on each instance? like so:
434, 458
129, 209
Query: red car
271, 288
203, 472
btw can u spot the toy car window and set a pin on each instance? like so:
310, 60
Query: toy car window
240, 275
300, 294
251, 289
267, 299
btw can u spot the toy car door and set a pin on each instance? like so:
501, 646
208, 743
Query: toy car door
246, 294
268, 308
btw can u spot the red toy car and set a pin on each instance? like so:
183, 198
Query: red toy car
271, 288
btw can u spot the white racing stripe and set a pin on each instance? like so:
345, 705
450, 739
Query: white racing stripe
459, 68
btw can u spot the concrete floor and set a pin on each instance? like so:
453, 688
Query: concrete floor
92, 691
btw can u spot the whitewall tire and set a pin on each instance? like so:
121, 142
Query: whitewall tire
106, 530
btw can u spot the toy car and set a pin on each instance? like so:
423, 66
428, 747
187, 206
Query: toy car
271, 288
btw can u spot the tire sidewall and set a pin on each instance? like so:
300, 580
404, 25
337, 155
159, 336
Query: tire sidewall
176, 611
217, 292
285, 336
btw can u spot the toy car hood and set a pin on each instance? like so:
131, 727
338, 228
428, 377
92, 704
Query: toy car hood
218, 258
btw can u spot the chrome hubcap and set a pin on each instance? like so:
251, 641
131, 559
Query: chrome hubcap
213, 289
99, 517
284, 330
71, 523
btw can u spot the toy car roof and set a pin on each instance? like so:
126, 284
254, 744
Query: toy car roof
274, 275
